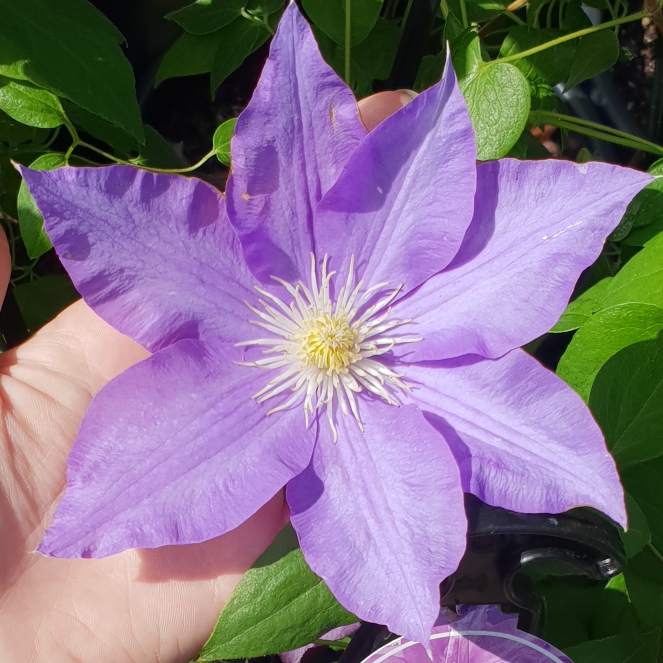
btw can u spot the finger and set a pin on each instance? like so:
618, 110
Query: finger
46, 386
378, 107
5, 265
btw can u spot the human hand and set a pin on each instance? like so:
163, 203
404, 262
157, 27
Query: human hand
140, 606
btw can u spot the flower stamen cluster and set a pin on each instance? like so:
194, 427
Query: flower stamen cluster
326, 349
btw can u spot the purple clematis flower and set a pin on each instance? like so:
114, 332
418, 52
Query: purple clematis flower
375, 372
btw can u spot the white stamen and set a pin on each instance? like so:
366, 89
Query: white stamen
325, 350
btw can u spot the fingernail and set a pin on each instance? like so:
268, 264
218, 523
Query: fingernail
410, 94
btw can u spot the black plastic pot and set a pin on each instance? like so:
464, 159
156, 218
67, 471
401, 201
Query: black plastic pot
503, 549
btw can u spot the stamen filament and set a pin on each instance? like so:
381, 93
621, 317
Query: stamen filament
324, 348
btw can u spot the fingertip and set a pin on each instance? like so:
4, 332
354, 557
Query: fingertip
380, 106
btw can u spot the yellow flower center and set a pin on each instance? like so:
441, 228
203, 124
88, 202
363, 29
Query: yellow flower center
328, 351
329, 343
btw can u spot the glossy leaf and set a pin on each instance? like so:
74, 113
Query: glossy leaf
111, 134
608, 332
329, 16
90, 70
221, 140
205, 16
279, 605
595, 54
643, 219
240, 39
219, 52
551, 66
641, 278
580, 310
30, 220
188, 56
625, 648
498, 100
627, 398
30, 105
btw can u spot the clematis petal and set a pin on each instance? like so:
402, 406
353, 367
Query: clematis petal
172, 451
289, 147
406, 197
153, 255
384, 546
537, 226
522, 438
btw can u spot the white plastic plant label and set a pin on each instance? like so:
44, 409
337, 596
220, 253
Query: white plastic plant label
484, 634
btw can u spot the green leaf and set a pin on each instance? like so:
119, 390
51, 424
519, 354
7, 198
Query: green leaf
41, 300
645, 483
551, 66
625, 648
205, 16
580, 310
10, 182
31, 106
30, 220
329, 16
14, 133
638, 535
604, 335
575, 17
219, 52
627, 395
188, 56
69, 48
264, 6
644, 580
596, 53
528, 147
221, 140
578, 609
370, 60
465, 53
643, 220
241, 39
477, 11
279, 605
111, 134
498, 100
641, 278
430, 71
375, 54
157, 153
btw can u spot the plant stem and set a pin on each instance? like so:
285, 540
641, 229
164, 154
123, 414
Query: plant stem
569, 37
188, 169
77, 142
657, 554
348, 25
106, 155
594, 130
463, 13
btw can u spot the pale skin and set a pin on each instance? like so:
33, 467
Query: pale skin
136, 607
